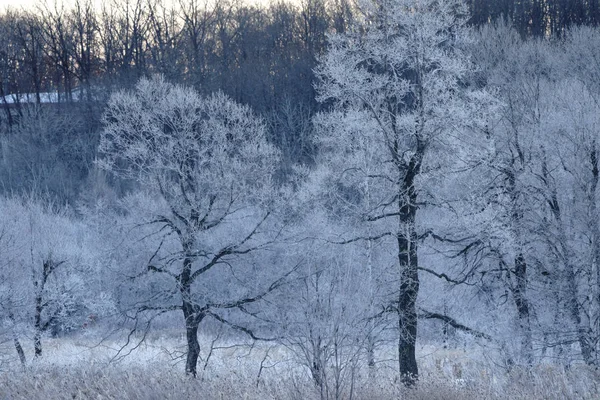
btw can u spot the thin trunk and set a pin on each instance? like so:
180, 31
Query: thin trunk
572, 301
565, 274
19, 349
523, 310
47, 268
371, 328
16, 342
37, 336
595, 313
519, 287
6, 106
371, 354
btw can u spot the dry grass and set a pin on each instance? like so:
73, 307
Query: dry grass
73, 369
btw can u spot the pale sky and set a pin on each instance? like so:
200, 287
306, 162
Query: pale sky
16, 3
31, 3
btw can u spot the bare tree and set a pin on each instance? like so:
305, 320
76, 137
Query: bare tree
399, 99
46, 275
207, 162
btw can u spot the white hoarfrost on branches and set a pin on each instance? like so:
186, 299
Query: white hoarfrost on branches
191, 148
403, 114
48, 277
206, 168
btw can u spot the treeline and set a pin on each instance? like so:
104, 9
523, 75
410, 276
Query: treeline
260, 56
537, 17
75, 57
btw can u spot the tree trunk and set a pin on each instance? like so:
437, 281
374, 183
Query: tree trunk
519, 287
20, 351
192, 316
409, 275
6, 106
522, 304
407, 311
594, 329
16, 341
567, 274
193, 347
371, 355
37, 336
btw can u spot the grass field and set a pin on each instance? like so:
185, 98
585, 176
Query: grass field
83, 368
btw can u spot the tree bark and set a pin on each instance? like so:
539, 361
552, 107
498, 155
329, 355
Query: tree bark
193, 347
594, 329
192, 316
409, 276
17, 343
522, 304
37, 336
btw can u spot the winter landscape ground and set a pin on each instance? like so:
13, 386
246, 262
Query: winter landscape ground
319, 199
80, 367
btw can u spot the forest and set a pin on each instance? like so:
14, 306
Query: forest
320, 199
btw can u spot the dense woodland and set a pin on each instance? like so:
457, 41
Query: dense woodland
336, 177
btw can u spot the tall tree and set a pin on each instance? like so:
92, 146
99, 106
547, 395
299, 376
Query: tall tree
207, 162
400, 101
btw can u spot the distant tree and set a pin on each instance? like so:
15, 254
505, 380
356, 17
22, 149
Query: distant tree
59, 45
539, 191
48, 154
196, 39
164, 40
28, 36
47, 275
83, 19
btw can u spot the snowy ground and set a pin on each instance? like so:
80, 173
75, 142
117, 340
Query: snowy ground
81, 367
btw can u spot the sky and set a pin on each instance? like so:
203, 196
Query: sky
16, 3
31, 3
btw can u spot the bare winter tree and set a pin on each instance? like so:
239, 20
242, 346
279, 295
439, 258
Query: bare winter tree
46, 275
399, 103
207, 163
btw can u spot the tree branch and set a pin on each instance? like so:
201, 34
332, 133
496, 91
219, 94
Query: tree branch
229, 250
446, 277
239, 328
455, 324
376, 237
381, 216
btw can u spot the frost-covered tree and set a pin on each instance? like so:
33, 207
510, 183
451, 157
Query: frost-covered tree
47, 273
569, 179
537, 194
205, 167
401, 108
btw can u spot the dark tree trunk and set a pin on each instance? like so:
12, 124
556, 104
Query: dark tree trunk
371, 355
19, 349
6, 106
37, 337
409, 275
522, 304
193, 347
193, 316
17, 343
407, 311
47, 268
594, 327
